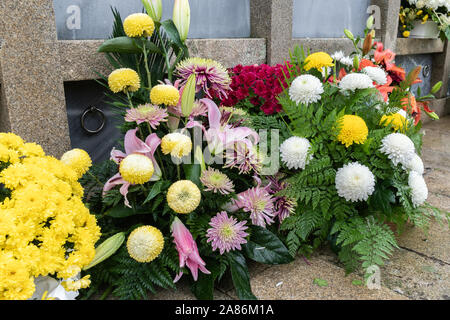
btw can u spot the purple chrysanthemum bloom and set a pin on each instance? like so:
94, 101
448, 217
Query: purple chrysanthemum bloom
211, 76
216, 181
259, 203
283, 206
226, 233
242, 157
154, 115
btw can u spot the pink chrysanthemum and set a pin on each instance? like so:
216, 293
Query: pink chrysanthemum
210, 75
242, 157
154, 115
226, 233
216, 181
259, 203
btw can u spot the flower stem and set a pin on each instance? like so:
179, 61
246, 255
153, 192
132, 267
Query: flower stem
129, 99
106, 293
149, 75
169, 69
178, 172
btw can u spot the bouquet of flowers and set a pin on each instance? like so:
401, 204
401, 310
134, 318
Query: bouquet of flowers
186, 189
45, 229
350, 157
255, 88
413, 12
372, 59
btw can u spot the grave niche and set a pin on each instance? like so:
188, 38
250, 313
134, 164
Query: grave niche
88, 19
328, 18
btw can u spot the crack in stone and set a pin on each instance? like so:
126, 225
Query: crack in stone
425, 256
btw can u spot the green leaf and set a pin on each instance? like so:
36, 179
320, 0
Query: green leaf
321, 282
121, 211
193, 172
265, 247
357, 282
127, 45
120, 44
203, 288
157, 188
240, 276
173, 35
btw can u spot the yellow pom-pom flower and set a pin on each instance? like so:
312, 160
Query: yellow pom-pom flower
183, 196
165, 94
78, 160
136, 169
396, 120
318, 60
138, 25
406, 33
177, 144
124, 79
145, 244
353, 130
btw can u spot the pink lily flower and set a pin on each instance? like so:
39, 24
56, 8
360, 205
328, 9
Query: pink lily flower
187, 250
221, 135
133, 145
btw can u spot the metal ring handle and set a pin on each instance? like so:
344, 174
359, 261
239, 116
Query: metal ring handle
93, 109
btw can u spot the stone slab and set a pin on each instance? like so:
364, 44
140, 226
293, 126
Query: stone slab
295, 281
407, 46
416, 276
79, 58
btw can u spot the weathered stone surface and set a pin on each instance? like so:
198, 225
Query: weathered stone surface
406, 46
416, 276
295, 281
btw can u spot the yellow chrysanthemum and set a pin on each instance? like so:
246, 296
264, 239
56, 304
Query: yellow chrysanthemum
406, 33
353, 130
71, 285
136, 169
138, 25
183, 196
318, 60
177, 144
78, 160
145, 244
124, 79
165, 94
396, 120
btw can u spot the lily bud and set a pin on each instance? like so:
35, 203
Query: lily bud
369, 23
188, 97
106, 249
153, 8
349, 34
356, 62
182, 17
432, 115
436, 87
367, 44
198, 155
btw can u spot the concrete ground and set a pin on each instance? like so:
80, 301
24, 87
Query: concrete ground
420, 269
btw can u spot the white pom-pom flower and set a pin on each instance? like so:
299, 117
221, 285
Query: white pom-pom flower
419, 190
376, 74
306, 89
415, 164
347, 61
294, 152
338, 55
398, 147
354, 81
355, 182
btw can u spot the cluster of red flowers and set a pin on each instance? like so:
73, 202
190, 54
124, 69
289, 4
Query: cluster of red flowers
256, 87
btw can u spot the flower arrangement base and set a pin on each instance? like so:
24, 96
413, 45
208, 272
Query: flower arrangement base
428, 30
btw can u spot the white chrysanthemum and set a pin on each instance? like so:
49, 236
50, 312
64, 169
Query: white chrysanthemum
403, 113
419, 189
294, 152
355, 182
306, 89
398, 147
415, 164
347, 61
354, 81
376, 74
338, 55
